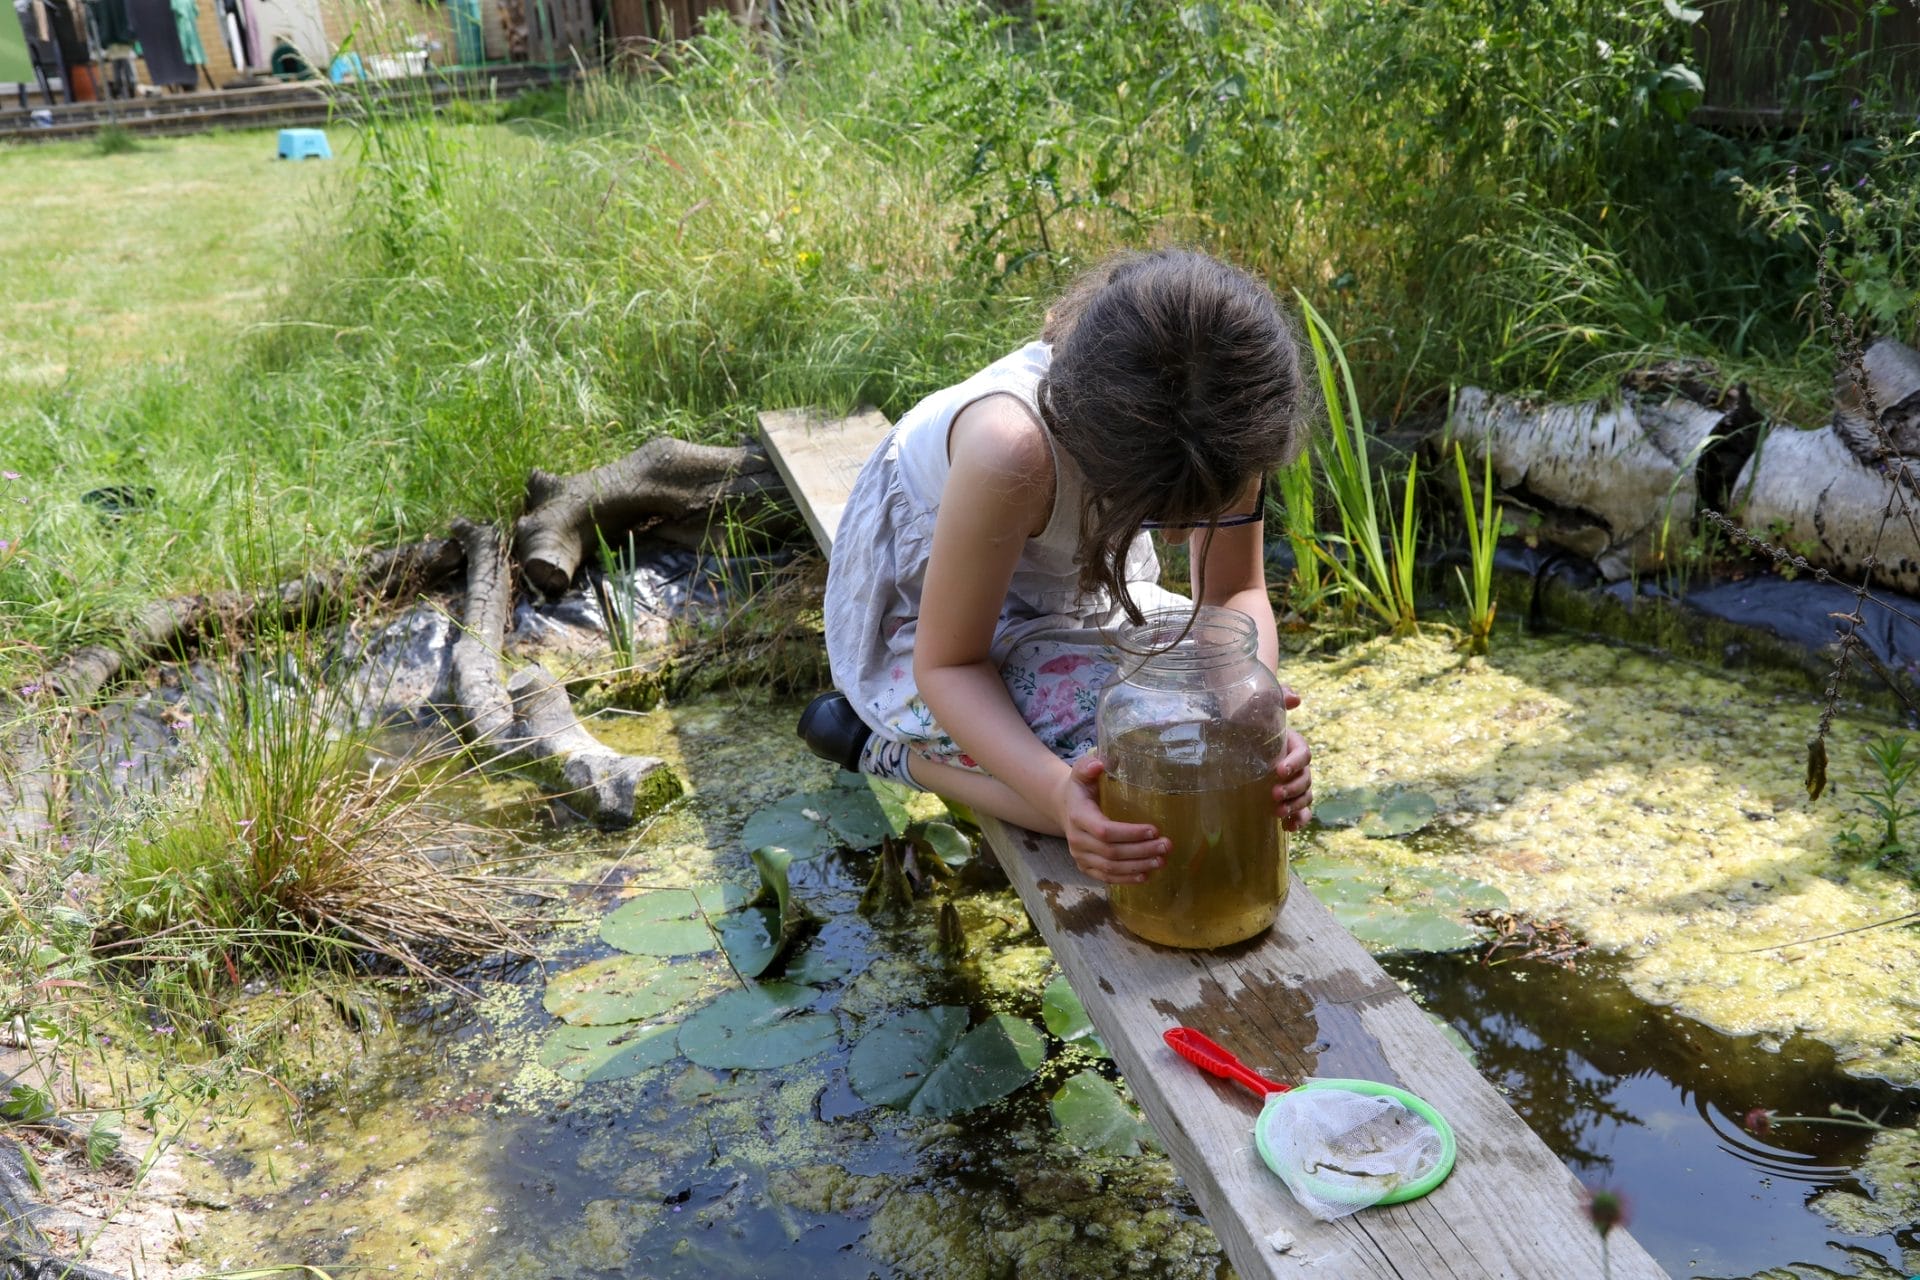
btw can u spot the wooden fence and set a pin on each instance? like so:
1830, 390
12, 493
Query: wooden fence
1772, 59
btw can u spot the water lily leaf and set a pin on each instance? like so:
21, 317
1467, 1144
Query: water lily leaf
1463, 894
892, 798
1401, 813
815, 967
1381, 812
892, 1062
1067, 1019
810, 824
1418, 929
592, 1054
1343, 808
988, 1063
751, 939
621, 989
943, 840
670, 922
758, 1028
1094, 1117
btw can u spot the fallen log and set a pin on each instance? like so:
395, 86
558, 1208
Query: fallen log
664, 479
1892, 371
529, 724
572, 766
1849, 491
1615, 481
487, 715
169, 627
1809, 494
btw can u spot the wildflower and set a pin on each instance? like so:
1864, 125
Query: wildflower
1759, 1122
26, 690
1606, 1210
10, 475
1854, 105
5, 545
126, 764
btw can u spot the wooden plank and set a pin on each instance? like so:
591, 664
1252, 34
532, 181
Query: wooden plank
1306, 999
819, 456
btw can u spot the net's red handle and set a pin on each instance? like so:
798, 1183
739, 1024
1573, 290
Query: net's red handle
1207, 1054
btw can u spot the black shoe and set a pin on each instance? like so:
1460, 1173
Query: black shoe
832, 730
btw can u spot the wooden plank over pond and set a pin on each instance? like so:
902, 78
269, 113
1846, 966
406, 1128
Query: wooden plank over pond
1303, 999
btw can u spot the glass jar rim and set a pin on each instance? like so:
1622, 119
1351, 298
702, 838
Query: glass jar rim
1173, 641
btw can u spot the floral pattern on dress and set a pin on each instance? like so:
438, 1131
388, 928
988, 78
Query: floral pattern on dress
1055, 686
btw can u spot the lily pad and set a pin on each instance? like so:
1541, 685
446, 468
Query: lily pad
758, 935
621, 989
815, 967
1380, 812
892, 797
1094, 1117
592, 1054
1067, 1019
1452, 1036
1400, 909
670, 922
1421, 929
920, 1061
893, 1061
943, 840
758, 1028
814, 822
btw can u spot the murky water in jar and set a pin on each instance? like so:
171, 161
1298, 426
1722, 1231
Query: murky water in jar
1208, 788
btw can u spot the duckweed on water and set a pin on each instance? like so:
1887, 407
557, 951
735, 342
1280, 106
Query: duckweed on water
1655, 807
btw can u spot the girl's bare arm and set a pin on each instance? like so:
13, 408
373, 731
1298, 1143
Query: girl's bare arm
999, 493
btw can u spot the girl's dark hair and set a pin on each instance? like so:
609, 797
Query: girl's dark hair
1174, 384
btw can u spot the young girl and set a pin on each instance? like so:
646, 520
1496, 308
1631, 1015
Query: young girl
994, 544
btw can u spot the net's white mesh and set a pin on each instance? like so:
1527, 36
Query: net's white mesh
1340, 1151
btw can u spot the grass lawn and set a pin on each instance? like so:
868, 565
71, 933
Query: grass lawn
160, 253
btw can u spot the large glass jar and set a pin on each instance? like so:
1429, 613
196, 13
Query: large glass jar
1189, 728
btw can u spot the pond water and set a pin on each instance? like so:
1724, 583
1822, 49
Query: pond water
444, 1148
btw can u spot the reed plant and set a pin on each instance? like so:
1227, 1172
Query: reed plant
1375, 572
1298, 507
1483, 521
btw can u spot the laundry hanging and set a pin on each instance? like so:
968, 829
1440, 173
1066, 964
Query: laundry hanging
160, 43
186, 18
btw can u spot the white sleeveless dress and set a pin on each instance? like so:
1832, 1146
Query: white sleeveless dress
1052, 643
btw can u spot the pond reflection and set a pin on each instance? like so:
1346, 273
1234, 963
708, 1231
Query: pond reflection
1636, 1097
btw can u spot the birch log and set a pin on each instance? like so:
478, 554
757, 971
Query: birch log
1847, 491
1617, 482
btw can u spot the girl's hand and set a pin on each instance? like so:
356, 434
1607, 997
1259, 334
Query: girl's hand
1293, 797
1112, 852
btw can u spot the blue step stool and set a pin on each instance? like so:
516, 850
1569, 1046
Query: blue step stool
298, 144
